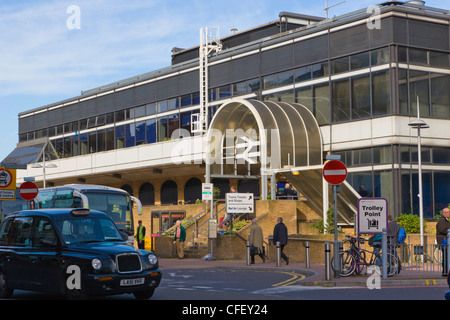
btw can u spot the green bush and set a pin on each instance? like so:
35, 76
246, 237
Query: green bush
411, 223
330, 225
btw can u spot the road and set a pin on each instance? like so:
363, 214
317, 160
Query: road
239, 285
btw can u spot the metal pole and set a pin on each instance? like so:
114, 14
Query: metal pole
384, 253
419, 158
278, 254
327, 261
448, 252
247, 255
337, 264
307, 261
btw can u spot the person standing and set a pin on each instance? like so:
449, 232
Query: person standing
441, 237
140, 235
280, 234
392, 238
180, 237
256, 241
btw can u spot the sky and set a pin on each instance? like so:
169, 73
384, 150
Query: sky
51, 50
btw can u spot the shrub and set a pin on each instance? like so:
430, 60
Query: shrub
410, 222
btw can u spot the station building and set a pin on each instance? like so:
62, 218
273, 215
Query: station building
361, 77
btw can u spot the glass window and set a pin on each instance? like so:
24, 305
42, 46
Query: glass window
92, 122
253, 85
186, 121
162, 128
151, 130
162, 106
381, 93
417, 56
360, 61
67, 147
92, 142
196, 99
150, 109
109, 139
361, 97
75, 143
286, 96
419, 87
139, 111
239, 88
22, 232
84, 144
186, 100
303, 74
174, 124
363, 182
441, 155
321, 100
270, 81
402, 55
439, 59
380, 56
341, 100
120, 137
320, 70
403, 91
140, 132
109, 118
120, 115
225, 92
304, 97
44, 229
440, 96
340, 65
441, 187
173, 103
130, 131
285, 78
101, 134
382, 155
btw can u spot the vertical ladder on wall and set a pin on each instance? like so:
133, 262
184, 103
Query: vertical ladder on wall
209, 42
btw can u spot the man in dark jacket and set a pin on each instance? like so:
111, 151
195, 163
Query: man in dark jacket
280, 234
441, 237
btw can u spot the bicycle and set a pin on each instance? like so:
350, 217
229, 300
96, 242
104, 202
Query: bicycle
354, 259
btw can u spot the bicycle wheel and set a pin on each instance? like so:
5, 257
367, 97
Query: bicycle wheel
361, 263
392, 264
437, 254
348, 264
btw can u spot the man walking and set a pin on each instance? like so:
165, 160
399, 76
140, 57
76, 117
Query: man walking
140, 235
180, 237
280, 235
441, 237
256, 240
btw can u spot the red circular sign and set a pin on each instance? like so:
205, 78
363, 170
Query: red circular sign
28, 190
334, 172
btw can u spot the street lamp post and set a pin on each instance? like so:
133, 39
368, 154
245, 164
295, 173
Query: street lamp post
419, 124
43, 166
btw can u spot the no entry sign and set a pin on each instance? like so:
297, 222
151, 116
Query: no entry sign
334, 172
28, 190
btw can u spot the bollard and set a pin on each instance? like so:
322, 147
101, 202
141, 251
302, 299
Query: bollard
247, 253
327, 261
384, 254
278, 254
307, 262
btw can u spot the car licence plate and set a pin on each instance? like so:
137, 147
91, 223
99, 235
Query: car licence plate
132, 282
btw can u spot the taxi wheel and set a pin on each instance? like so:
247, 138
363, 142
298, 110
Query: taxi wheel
5, 292
144, 295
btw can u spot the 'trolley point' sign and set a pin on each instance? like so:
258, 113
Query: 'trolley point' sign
372, 215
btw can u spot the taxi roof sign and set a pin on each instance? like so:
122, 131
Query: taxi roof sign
80, 212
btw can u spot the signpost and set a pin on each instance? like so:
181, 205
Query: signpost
7, 184
372, 215
28, 190
240, 203
207, 195
335, 173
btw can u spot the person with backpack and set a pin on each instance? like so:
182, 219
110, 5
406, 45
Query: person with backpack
393, 233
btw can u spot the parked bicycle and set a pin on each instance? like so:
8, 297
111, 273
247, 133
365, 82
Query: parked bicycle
355, 259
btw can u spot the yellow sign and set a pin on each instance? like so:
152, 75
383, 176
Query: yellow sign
7, 184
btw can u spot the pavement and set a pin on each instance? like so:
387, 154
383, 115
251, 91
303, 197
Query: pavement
315, 275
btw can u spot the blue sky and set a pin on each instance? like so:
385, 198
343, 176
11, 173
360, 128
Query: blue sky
42, 61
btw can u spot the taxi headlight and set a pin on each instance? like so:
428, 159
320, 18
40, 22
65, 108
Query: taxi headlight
152, 259
96, 264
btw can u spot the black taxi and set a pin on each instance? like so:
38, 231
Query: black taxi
75, 252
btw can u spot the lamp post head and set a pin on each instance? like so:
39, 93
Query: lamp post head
418, 123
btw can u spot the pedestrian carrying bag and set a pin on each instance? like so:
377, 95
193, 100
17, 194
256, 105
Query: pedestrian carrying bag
401, 235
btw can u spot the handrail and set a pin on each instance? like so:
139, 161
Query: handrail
193, 232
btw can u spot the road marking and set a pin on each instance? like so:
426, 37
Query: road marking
295, 277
